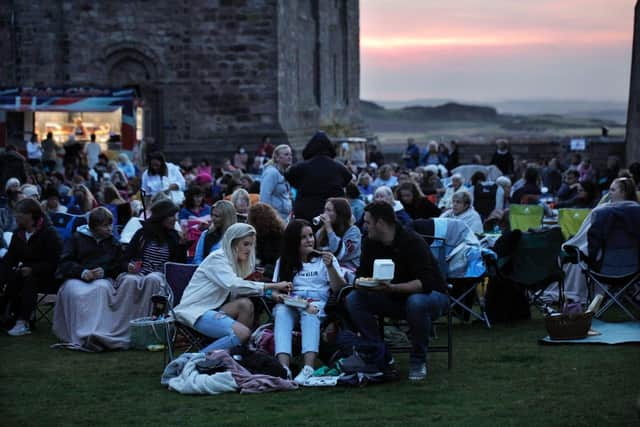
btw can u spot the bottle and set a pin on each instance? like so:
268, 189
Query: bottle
595, 303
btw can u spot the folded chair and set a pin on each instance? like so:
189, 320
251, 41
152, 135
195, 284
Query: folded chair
613, 263
524, 217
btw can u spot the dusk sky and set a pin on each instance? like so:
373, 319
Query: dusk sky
487, 50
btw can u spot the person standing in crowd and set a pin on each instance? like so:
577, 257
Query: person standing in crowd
211, 304
92, 150
49, 153
313, 276
502, 158
432, 156
274, 188
29, 264
317, 177
34, 151
454, 156
12, 165
411, 155
161, 176
417, 292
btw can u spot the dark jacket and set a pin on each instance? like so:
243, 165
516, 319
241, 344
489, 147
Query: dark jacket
135, 250
504, 162
615, 227
41, 252
422, 208
83, 252
268, 252
316, 180
412, 258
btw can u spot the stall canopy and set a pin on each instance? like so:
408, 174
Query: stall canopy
72, 100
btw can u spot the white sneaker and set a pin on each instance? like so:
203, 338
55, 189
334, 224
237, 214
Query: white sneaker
21, 328
304, 375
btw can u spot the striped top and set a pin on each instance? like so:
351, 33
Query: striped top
154, 256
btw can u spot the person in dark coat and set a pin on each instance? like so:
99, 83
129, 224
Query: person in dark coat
269, 230
29, 265
12, 165
317, 178
503, 158
93, 252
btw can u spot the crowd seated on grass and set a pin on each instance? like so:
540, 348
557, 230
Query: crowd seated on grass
315, 225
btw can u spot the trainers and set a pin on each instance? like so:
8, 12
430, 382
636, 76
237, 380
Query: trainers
19, 329
288, 372
304, 375
418, 371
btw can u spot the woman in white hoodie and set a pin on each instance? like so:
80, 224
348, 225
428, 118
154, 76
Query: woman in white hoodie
210, 303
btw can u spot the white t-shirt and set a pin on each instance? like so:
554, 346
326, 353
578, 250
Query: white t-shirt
34, 151
313, 276
93, 151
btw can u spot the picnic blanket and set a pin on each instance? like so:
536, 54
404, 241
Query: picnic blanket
610, 333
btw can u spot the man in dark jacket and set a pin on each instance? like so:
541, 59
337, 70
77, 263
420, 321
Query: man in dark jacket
29, 265
417, 292
317, 178
93, 252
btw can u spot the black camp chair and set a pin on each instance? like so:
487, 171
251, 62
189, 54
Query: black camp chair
531, 260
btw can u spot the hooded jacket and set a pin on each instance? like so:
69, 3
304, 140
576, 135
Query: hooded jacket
83, 251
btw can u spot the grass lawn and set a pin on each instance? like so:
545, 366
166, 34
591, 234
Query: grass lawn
500, 377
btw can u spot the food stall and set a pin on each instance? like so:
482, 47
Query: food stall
113, 115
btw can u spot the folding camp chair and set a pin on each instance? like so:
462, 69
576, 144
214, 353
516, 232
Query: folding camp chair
66, 224
570, 221
532, 261
612, 266
45, 304
464, 262
525, 217
178, 276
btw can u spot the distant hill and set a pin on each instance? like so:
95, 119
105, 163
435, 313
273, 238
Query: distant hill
447, 112
419, 118
604, 110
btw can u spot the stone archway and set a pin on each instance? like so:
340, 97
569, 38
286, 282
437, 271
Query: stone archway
134, 65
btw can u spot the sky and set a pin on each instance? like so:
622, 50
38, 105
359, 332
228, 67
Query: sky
495, 50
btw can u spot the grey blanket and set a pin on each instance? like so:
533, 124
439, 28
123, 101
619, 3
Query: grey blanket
95, 316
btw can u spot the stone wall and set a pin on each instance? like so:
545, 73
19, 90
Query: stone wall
633, 111
213, 74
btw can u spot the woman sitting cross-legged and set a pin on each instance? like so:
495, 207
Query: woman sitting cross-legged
210, 303
223, 215
313, 275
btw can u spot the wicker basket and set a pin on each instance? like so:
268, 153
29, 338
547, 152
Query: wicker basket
568, 326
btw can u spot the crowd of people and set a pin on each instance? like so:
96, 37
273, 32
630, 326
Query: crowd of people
261, 225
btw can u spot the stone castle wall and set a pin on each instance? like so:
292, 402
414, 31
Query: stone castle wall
213, 74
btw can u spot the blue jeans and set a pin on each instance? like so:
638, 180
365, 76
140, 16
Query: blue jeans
217, 325
419, 310
286, 317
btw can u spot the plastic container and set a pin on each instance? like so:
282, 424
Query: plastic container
145, 332
383, 269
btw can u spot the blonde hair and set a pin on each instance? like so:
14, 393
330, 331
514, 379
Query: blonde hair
228, 214
240, 192
276, 152
229, 241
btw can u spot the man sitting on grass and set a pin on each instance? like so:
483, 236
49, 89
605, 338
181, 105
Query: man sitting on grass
416, 293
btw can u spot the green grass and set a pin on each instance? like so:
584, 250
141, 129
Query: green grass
500, 377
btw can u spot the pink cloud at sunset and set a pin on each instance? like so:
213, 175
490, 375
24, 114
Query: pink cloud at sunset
496, 49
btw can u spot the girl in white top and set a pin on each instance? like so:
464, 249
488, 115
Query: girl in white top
313, 275
161, 176
210, 304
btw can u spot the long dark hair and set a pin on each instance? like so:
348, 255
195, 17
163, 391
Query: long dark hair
190, 195
164, 171
290, 261
343, 219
